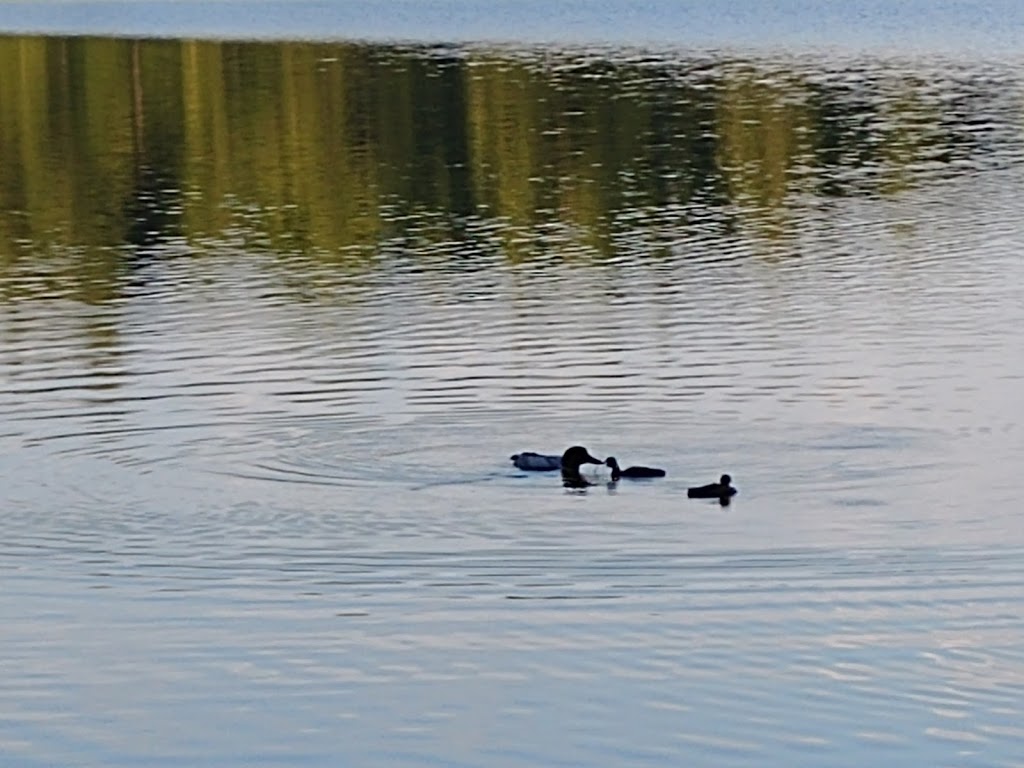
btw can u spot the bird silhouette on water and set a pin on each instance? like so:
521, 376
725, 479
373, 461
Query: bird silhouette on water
723, 490
574, 458
632, 473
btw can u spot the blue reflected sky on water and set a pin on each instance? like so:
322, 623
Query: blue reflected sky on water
907, 26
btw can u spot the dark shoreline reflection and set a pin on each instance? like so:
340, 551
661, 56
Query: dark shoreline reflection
116, 151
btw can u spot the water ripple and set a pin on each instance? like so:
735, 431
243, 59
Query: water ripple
256, 476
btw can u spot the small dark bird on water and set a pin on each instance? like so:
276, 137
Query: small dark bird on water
722, 490
633, 473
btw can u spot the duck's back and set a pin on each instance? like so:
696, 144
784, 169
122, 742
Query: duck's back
711, 491
536, 462
641, 472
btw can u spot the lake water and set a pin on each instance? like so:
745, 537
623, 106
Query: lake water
274, 315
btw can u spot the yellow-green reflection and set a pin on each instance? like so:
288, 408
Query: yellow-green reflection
331, 151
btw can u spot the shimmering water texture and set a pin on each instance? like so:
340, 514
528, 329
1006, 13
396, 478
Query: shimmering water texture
275, 316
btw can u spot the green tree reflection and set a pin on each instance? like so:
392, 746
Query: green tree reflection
114, 151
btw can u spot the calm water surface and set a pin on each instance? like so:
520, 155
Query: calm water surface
274, 317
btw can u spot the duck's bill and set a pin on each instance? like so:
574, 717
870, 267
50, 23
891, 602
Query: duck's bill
591, 460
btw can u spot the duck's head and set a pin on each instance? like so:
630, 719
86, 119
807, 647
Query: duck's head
725, 480
575, 456
613, 465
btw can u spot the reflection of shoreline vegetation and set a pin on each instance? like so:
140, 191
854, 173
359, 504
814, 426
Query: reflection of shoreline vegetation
332, 150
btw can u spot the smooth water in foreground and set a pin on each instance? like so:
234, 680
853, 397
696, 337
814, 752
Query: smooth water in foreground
275, 316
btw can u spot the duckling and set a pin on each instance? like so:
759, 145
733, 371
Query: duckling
722, 490
572, 460
633, 473
536, 462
